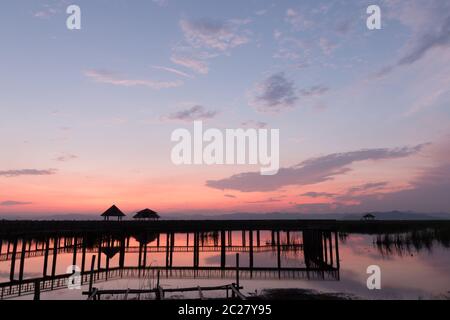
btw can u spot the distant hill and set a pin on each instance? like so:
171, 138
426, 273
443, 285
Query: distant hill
391, 215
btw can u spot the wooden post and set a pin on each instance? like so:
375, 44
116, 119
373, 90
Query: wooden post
13, 260
278, 250
91, 278
22, 259
47, 248
144, 263
167, 250
99, 261
222, 249
172, 245
251, 250
83, 255
237, 270
74, 258
258, 238
243, 238
330, 242
336, 246
55, 255
107, 256
37, 290
141, 247
122, 253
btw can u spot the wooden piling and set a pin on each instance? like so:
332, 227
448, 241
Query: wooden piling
13, 260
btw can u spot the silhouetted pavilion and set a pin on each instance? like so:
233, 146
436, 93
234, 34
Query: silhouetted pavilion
113, 212
146, 214
368, 216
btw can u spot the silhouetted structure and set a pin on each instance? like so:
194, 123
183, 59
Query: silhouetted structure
368, 217
146, 214
113, 212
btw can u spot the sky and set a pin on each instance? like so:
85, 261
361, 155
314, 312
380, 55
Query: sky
87, 115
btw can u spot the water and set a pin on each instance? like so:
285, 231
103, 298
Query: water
412, 267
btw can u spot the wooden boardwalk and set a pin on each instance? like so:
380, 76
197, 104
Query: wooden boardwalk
27, 286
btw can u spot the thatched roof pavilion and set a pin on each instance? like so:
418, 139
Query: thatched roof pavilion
146, 214
368, 216
113, 212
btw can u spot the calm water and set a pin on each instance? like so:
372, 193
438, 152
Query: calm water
410, 269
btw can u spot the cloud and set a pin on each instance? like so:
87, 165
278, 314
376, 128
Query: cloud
172, 70
254, 124
274, 94
11, 203
161, 3
308, 172
429, 23
230, 196
103, 76
428, 193
66, 157
327, 46
344, 27
297, 20
49, 10
367, 187
313, 194
27, 172
269, 200
214, 34
314, 91
196, 65
196, 112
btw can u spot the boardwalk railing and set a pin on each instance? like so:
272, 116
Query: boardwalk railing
160, 292
158, 249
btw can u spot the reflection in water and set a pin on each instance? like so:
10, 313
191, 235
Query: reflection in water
414, 241
307, 254
267, 259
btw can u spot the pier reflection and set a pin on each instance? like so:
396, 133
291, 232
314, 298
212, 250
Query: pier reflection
294, 254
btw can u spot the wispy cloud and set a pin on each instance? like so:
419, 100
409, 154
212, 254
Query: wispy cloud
66, 157
161, 3
310, 171
314, 91
196, 112
172, 70
297, 20
107, 77
196, 65
10, 203
214, 34
254, 124
367, 187
327, 46
429, 23
269, 200
27, 172
313, 194
274, 94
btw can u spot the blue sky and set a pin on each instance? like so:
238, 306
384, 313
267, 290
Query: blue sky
95, 107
